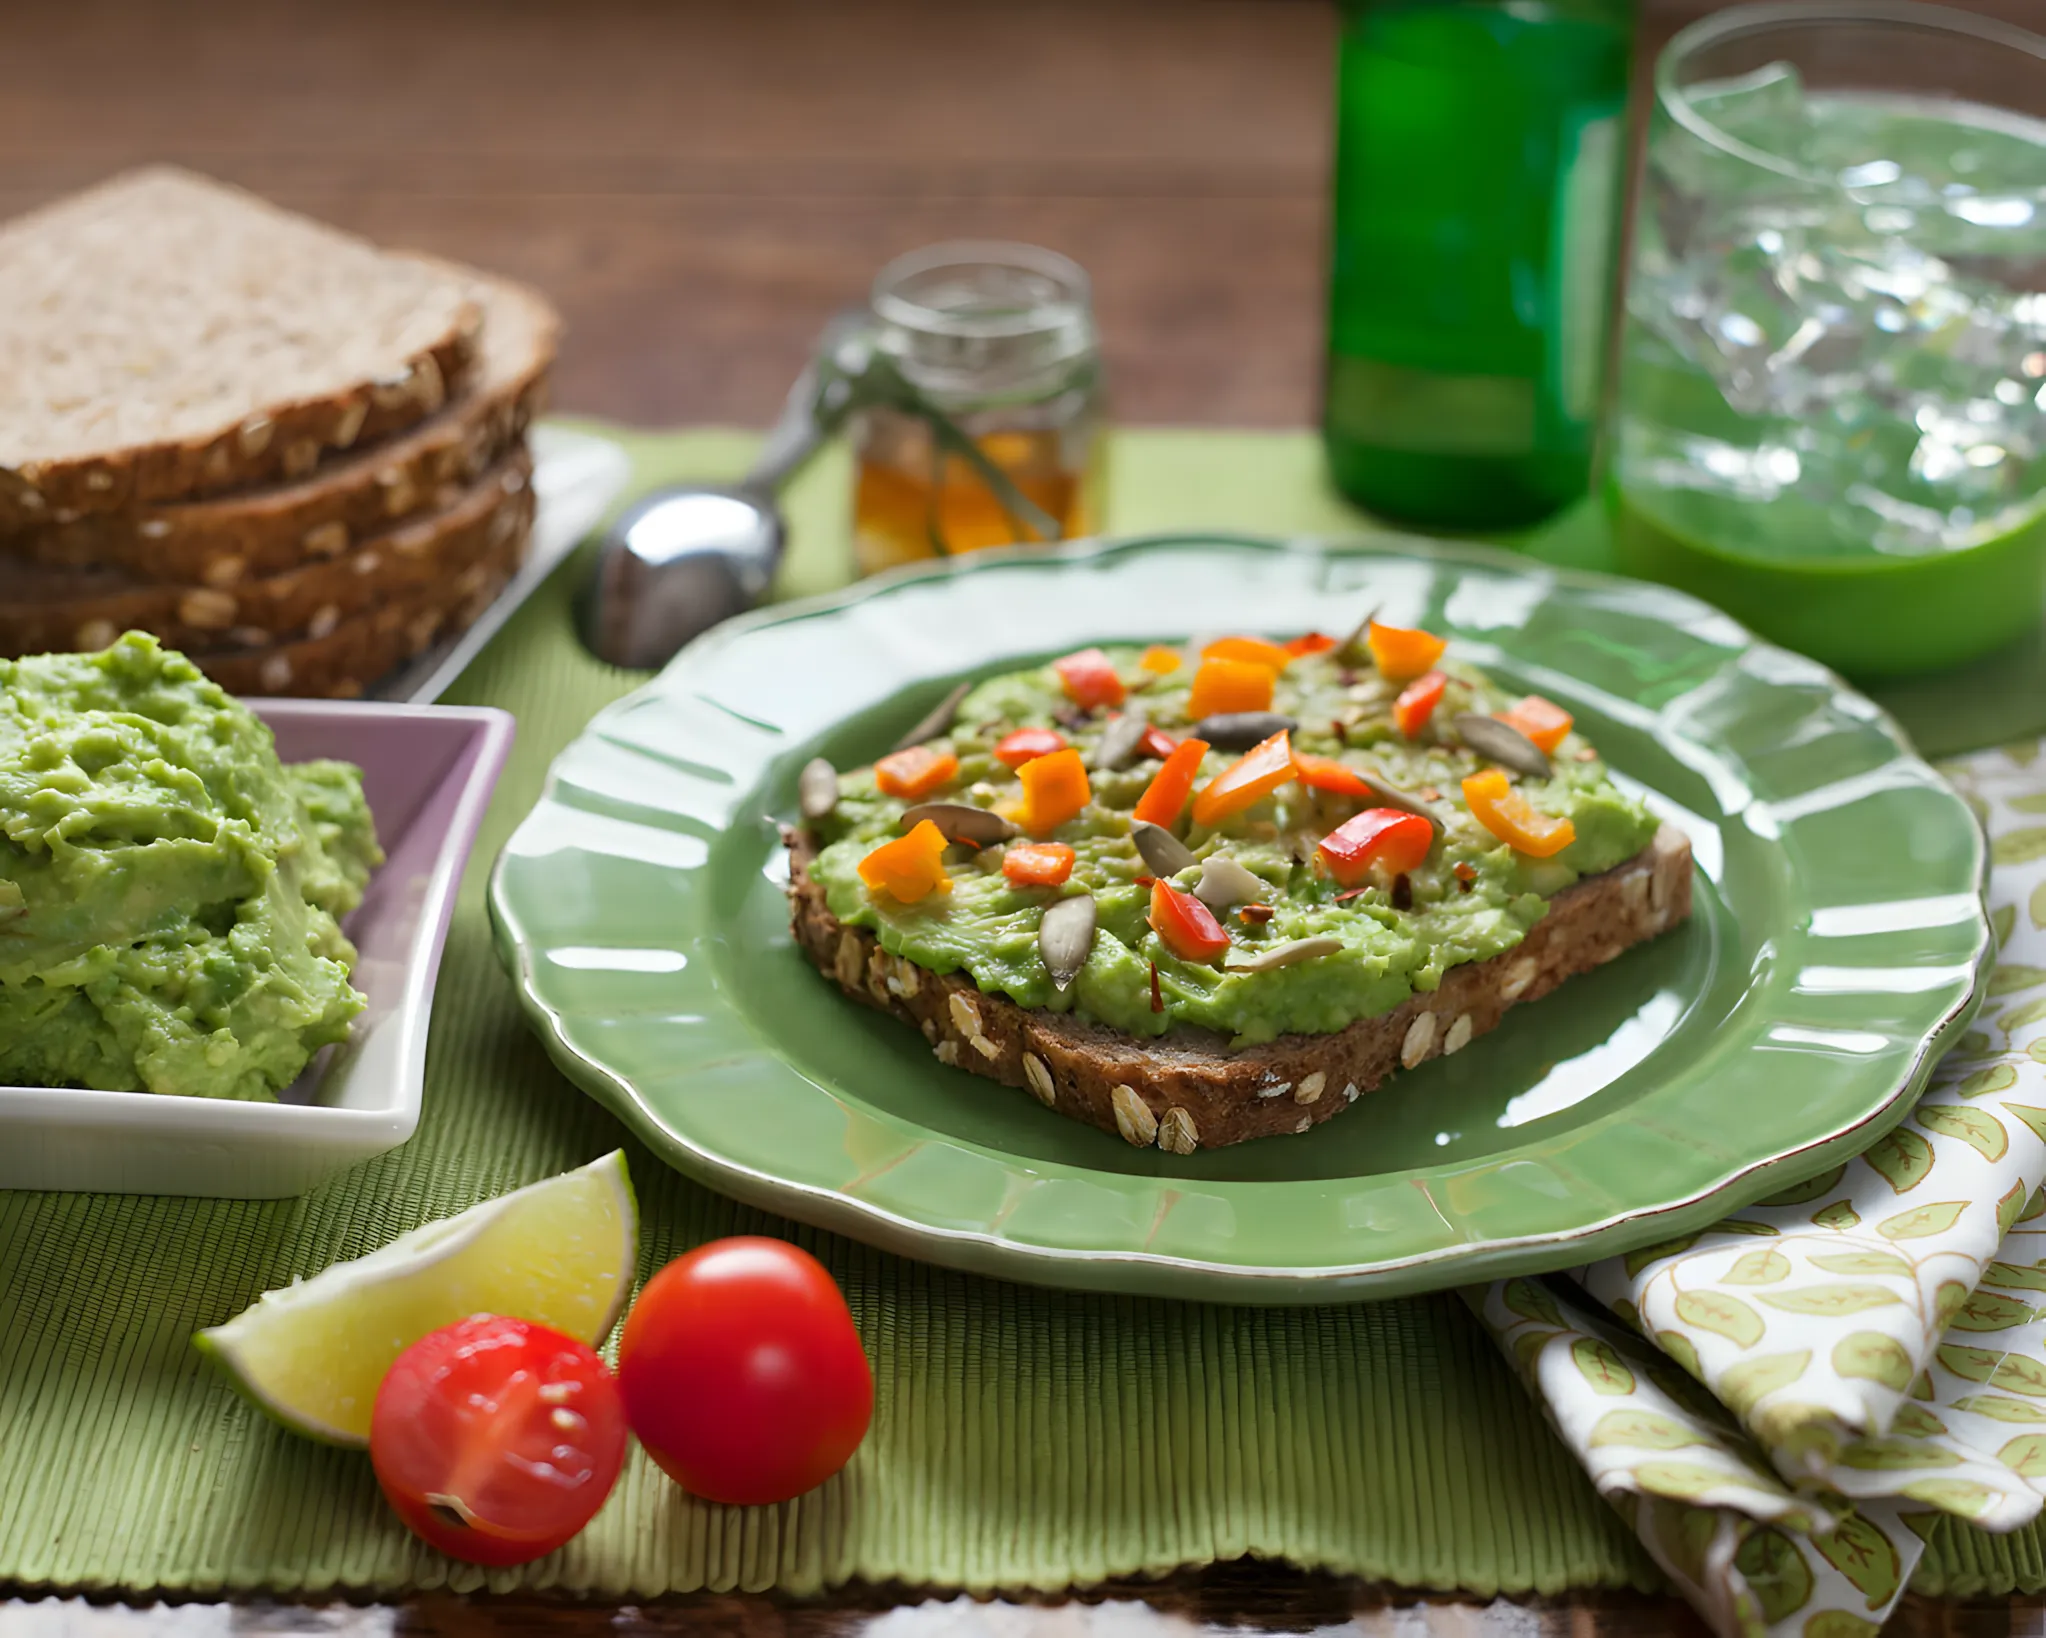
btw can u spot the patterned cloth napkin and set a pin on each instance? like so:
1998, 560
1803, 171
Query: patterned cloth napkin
1780, 1405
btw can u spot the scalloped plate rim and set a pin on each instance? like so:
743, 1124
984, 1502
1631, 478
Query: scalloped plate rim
990, 1253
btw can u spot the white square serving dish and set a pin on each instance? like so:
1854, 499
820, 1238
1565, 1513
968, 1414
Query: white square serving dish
428, 772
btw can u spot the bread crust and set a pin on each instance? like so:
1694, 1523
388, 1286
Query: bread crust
361, 651
308, 600
1187, 1090
223, 541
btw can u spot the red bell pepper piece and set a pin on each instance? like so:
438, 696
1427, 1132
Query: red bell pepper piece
1165, 797
1038, 864
1246, 781
1187, 926
1156, 744
916, 772
1543, 721
1376, 837
1312, 642
1417, 702
1028, 744
1089, 679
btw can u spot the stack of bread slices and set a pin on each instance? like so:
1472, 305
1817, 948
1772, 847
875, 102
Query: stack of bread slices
297, 457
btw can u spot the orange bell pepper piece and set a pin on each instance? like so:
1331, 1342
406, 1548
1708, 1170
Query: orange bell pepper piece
1187, 926
1402, 653
1312, 642
910, 867
1089, 679
1543, 721
1256, 650
916, 772
1246, 781
1054, 790
1230, 685
1378, 836
1027, 744
1325, 773
1160, 661
1038, 864
1417, 702
1165, 797
1508, 815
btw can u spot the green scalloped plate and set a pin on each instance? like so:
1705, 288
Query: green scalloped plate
1834, 952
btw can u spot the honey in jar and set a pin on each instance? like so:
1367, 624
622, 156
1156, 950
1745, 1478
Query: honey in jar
1000, 340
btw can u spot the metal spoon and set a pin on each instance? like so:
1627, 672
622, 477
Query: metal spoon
691, 555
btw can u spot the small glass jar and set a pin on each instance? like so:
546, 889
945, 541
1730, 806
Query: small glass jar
1000, 339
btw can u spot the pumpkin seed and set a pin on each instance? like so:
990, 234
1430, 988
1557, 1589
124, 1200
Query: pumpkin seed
1065, 937
935, 721
1163, 852
1225, 884
960, 822
1119, 741
1290, 954
817, 789
1391, 796
1240, 730
1502, 743
1352, 646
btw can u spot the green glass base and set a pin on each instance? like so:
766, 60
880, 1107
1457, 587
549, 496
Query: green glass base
1454, 491
1867, 616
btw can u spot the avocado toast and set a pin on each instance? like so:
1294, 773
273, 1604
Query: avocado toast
1198, 895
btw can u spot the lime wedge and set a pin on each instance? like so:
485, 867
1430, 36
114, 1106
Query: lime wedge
559, 1253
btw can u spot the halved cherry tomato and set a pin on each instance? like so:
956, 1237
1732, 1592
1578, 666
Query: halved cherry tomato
1089, 679
1230, 685
1402, 653
1187, 926
1160, 661
1246, 781
1543, 721
1417, 702
1508, 815
1025, 744
1165, 797
1038, 864
1325, 773
916, 772
743, 1374
1376, 837
1312, 642
1273, 656
1054, 790
496, 1440
910, 867
1156, 743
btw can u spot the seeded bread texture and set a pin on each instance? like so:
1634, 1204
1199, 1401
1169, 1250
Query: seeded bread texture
1186, 1090
163, 336
361, 651
223, 541
48, 609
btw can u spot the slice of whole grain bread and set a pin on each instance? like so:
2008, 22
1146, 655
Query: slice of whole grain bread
164, 336
1187, 1089
361, 651
223, 541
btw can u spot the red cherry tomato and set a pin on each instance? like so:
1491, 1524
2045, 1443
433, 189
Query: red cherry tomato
1377, 836
496, 1440
742, 1373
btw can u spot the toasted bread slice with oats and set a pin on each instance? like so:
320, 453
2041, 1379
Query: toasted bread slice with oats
163, 336
1189, 1089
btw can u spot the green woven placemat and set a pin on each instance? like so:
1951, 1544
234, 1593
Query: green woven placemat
1022, 1438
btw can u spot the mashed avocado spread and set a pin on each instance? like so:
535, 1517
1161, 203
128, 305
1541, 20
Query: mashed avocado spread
1472, 897
169, 892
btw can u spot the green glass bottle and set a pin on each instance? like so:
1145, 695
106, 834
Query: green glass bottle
1480, 165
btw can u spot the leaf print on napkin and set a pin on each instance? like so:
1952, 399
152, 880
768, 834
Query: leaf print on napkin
1722, 1315
1873, 1357
1867, 1557
1977, 1128
1922, 1221
1839, 1297
1902, 1158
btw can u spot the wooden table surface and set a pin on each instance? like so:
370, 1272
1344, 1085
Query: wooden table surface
699, 185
